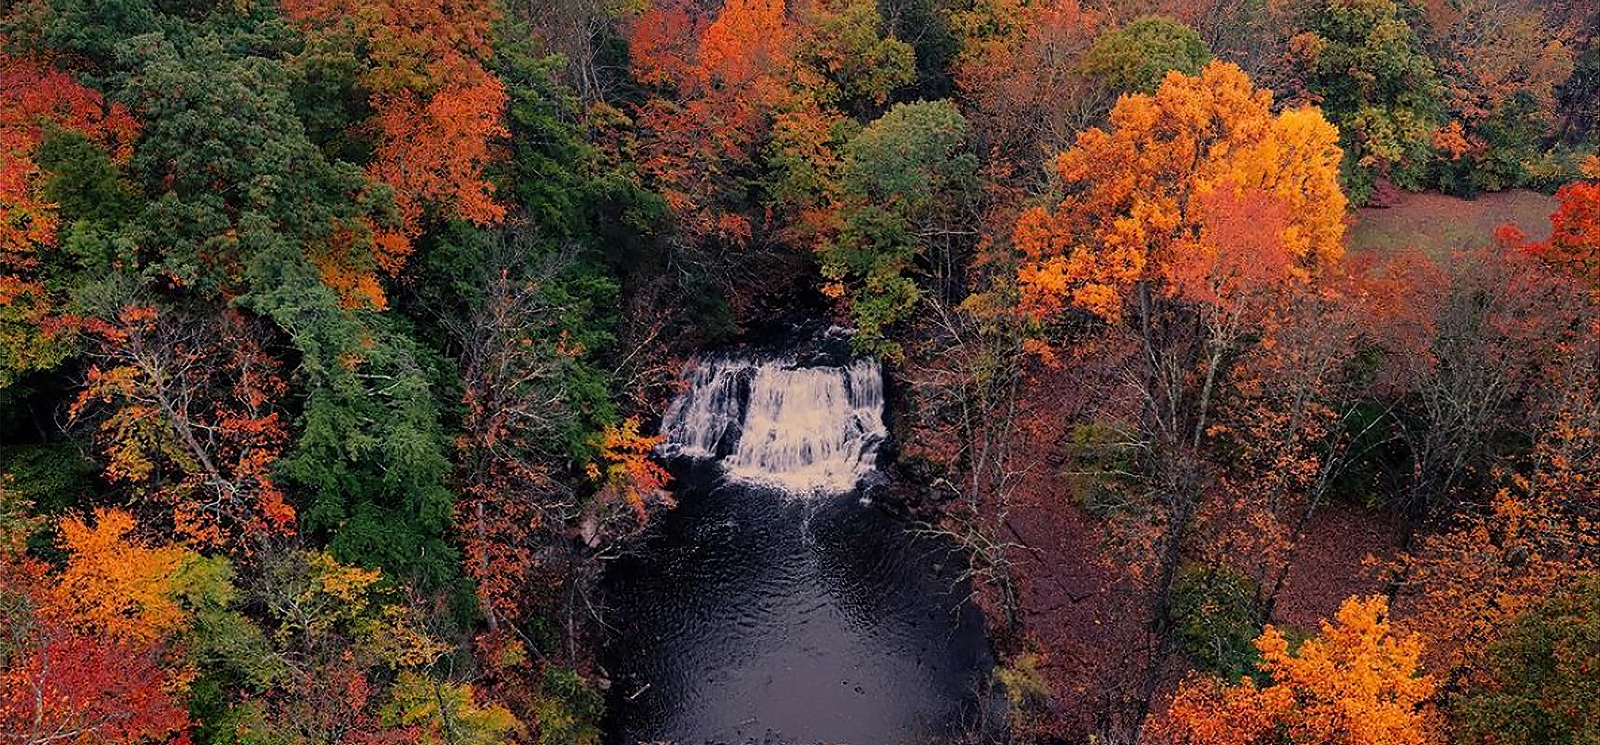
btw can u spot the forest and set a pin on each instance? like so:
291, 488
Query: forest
1246, 351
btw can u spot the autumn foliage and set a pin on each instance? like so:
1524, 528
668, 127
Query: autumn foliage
84, 657
629, 476
115, 585
189, 413
1020, 68
36, 101
81, 688
1574, 243
1133, 210
437, 112
729, 73
333, 332
1357, 683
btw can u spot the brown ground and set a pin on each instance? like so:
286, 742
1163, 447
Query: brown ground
1331, 564
1085, 618
1439, 224
1081, 615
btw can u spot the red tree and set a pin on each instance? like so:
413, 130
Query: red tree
438, 113
34, 100
78, 689
188, 414
58, 685
1574, 244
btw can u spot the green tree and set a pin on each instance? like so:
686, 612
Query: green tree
247, 201
1364, 63
1138, 56
1542, 685
906, 183
1214, 616
242, 191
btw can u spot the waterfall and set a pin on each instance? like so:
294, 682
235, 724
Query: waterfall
804, 429
704, 421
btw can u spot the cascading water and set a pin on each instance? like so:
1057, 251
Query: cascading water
749, 616
804, 429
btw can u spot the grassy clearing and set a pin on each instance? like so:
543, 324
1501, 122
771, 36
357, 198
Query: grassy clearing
1440, 224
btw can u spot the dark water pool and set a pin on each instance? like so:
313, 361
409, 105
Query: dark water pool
749, 615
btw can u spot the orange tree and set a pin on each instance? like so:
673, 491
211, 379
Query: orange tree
1355, 684
436, 107
1182, 236
1574, 243
186, 407
1133, 199
747, 114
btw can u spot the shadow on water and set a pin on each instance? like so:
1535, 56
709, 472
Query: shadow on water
752, 615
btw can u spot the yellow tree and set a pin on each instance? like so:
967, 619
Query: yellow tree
1133, 195
1357, 683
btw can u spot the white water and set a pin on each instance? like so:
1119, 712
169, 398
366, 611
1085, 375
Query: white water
803, 429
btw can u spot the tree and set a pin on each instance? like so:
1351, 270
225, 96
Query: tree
1138, 56
1541, 682
435, 152
99, 676
1291, 425
845, 58
372, 457
742, 135
1466, 584
1021, 77
1574, 243
532, 405
437, 110
314, 664
1252, 35
1471, 348
1500, 63
1180, 237
968, 368
446, 714
188, 414
906, 181
1578, 98
87, 688
235, 186
629, 476
1132, 207
1470, 581
37, 103
729, 79
1363, 62
116, 586
1356, 683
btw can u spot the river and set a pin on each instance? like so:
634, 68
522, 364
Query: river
777, 603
